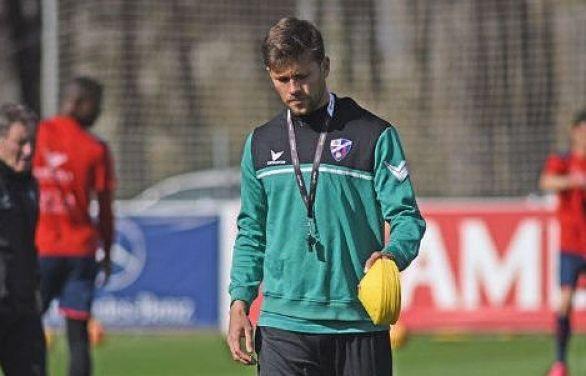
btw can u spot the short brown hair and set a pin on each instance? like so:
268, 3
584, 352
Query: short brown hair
289, 39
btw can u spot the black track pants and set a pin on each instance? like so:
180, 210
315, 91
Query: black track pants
286, 353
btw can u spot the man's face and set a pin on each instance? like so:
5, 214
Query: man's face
301, 84
16, 147
87, 111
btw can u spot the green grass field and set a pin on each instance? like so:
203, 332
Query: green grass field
204, 353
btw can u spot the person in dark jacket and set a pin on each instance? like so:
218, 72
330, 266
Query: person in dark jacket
22, 344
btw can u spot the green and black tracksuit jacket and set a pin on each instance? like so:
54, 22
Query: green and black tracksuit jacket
363, 181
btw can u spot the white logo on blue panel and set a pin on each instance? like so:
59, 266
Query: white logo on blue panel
340, 147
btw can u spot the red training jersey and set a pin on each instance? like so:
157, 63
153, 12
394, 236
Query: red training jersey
71, 165
571, 202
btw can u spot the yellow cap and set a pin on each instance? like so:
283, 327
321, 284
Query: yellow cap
379, 292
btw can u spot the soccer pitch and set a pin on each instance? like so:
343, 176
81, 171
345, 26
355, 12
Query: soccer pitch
204, 353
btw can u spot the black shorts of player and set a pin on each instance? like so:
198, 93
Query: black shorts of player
286, 353
22, 345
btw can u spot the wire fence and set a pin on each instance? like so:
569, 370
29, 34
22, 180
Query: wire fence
480, 90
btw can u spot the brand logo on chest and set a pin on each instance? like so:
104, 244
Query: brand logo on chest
55, 159
275, 158
340, 147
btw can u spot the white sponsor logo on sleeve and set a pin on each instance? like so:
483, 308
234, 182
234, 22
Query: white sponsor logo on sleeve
400, 171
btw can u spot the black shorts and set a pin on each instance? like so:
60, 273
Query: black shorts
286, 353
72, 281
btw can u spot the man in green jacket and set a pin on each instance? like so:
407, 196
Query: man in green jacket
318, 183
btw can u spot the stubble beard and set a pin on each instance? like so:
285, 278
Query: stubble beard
311, 104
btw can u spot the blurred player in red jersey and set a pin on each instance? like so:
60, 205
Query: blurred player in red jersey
72, 167
566, 175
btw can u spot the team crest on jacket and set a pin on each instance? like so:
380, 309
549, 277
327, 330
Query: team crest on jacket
340, 147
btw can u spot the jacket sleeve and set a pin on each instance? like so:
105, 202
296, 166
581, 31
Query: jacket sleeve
397, 199
248, 254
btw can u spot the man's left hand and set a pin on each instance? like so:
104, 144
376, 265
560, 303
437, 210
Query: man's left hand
373, 257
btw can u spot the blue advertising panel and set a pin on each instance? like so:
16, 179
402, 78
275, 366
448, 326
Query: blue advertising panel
164, 274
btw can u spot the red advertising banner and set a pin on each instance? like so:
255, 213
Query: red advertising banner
485, 266
489, 265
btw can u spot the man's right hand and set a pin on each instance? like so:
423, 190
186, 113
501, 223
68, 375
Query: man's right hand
240, 327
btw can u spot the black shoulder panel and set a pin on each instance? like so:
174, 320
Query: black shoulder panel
270, 144
351, 139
